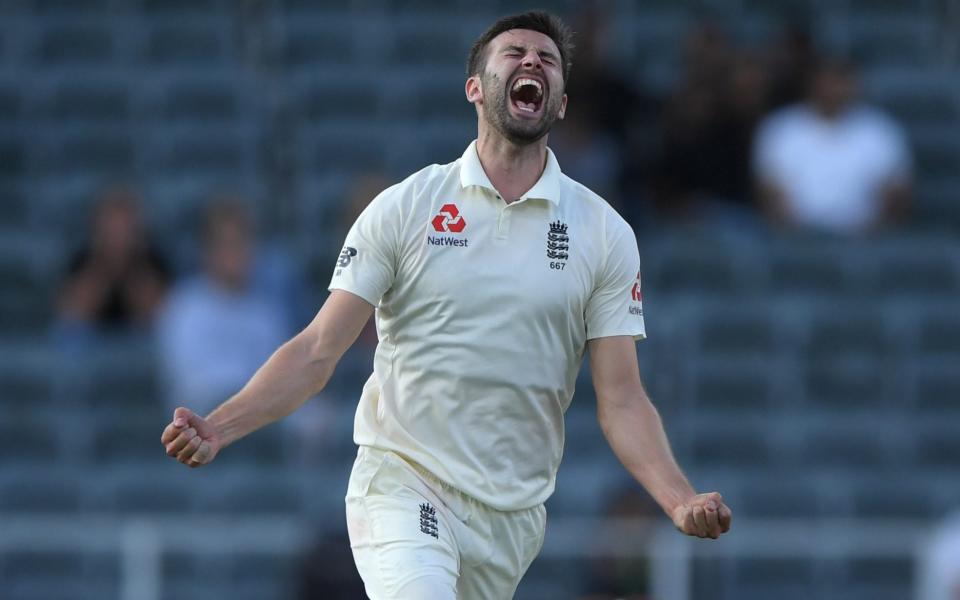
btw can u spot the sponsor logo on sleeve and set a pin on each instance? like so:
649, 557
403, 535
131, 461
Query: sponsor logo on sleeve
636, 295
448, 220
346, 255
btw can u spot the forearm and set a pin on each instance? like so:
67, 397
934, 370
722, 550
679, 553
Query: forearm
294, 373
635, 432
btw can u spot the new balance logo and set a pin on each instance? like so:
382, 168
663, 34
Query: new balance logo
346, 255
428, 520
449, 219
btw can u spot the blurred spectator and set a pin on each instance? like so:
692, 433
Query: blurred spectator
832, 163
218, 328
940, 566
702, 170
116, 281
791, 58
625, 578
606, 110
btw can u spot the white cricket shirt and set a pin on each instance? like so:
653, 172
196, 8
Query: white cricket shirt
483, 313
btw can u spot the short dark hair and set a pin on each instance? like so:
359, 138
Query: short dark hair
540, 21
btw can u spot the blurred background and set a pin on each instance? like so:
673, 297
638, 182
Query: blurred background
176, 179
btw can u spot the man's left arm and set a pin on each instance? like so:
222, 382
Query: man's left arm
635, 432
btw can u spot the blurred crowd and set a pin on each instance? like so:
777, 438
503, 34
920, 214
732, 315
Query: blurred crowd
750, 140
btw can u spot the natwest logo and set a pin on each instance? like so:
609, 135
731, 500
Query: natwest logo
449, 219
636, 293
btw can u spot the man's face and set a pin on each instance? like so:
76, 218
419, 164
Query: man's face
834, 89
230, 254
520, 91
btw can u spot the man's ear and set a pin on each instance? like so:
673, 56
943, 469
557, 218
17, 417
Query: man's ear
563, 108
474, 90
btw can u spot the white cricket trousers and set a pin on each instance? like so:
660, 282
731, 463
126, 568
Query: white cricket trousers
416, 538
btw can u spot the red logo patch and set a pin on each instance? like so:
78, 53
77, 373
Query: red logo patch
636, 293
449, 219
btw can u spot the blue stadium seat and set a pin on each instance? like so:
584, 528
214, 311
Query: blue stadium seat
266, 447
95, 152
737, 333
185, 46
328, 151
12, 156
156, 484
125, 382
11, 103
66, 7
202, 102
835, 334
127, 441
692, 271
71, 45
938, 449
259, 492
934, 106
318, 46
30, 567
166, 8
89, 101
846, 387
921, 275
892, 501
890, 42
429, 46
23, 386
345, 98
729, 387
774, 574
743, 449
214, 151
937, 154
28, 441
940, 335
833, 448
795, 271
937, 390
432, 98
39, 490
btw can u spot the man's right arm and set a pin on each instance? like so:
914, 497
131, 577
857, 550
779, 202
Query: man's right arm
298, 370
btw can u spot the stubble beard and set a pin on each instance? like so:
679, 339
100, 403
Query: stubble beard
517, 131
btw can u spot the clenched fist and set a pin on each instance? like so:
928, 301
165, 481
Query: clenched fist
704, 515
190, 438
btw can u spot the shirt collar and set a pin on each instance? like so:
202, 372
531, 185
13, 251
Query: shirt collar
547, 187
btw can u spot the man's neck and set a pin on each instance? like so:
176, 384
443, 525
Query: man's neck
512, 169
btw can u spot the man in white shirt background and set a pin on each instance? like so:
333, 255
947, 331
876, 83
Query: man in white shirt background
832, 163
491, 277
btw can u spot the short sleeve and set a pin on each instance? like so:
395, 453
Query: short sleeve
368, 262
615, 306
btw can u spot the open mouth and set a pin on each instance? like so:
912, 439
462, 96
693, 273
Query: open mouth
526, 95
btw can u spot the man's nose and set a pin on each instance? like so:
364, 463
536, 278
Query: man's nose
532, 60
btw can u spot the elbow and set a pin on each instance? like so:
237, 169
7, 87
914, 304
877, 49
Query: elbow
623, 405
318, 360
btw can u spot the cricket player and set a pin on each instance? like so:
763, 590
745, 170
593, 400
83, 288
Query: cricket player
491, 277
